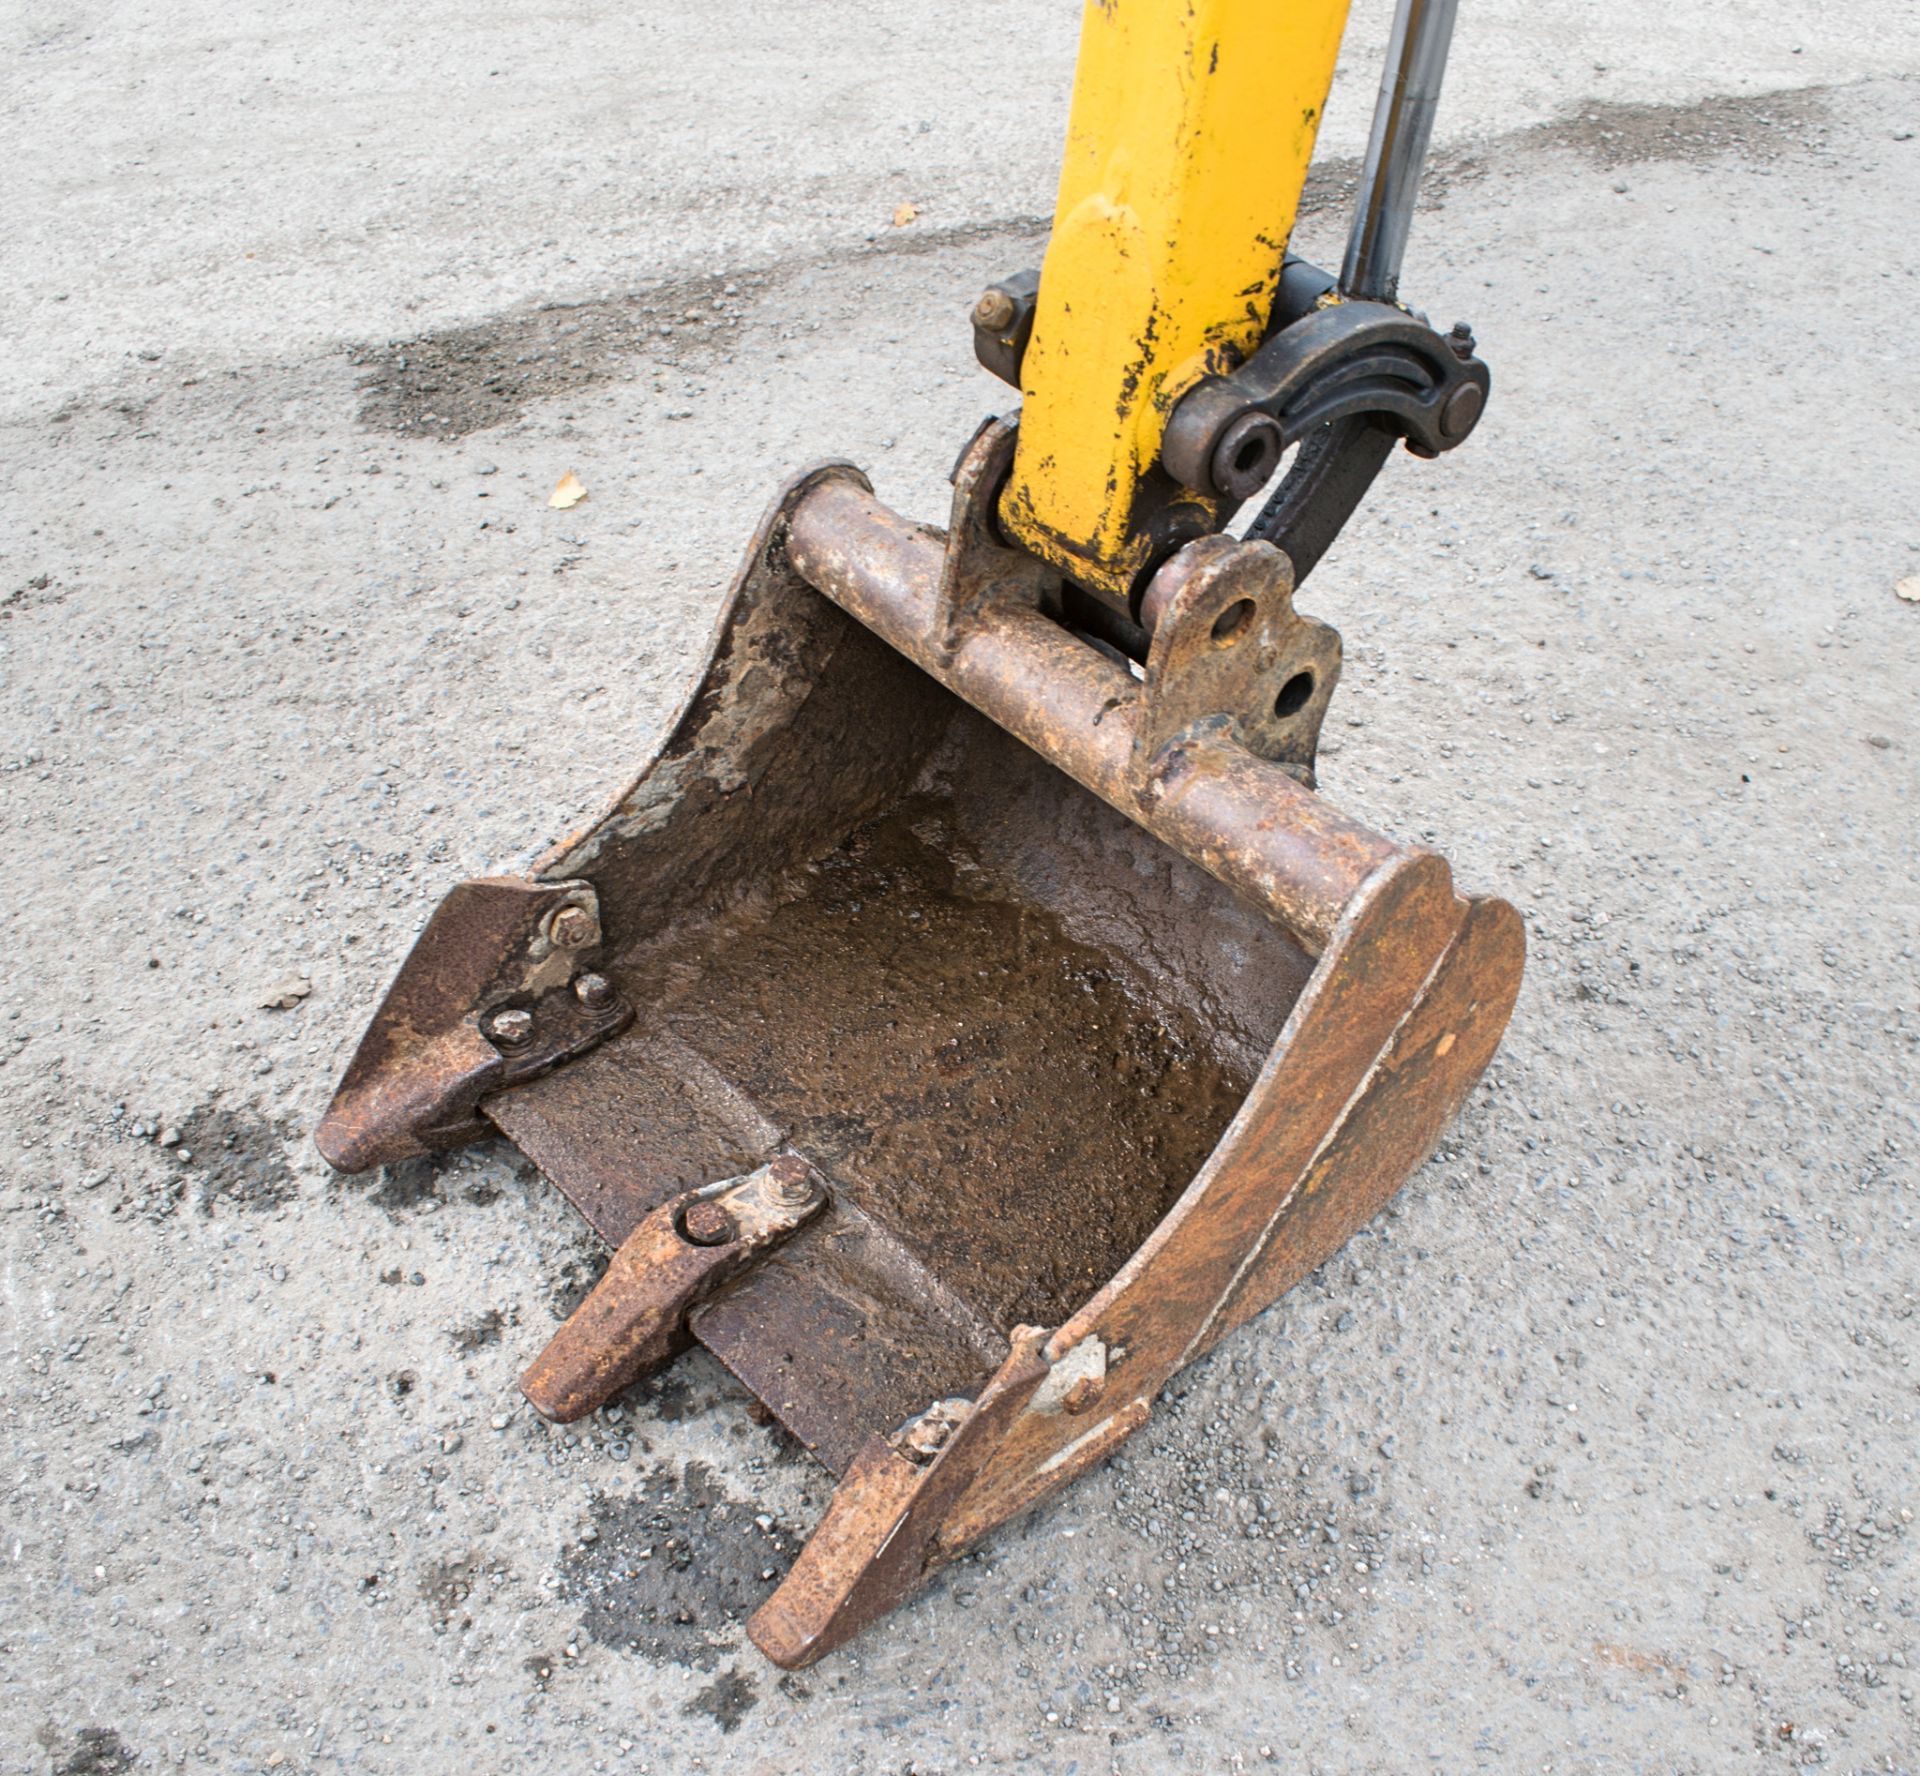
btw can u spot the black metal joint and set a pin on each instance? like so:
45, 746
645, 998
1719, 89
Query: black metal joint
1336, 362
1003, 324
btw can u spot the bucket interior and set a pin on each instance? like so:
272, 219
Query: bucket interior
1006, 1024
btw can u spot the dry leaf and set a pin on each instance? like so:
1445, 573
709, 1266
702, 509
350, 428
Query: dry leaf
904, 214
571, 491
1909, 588
284, 995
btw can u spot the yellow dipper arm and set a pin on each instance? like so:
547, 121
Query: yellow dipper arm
1187, 147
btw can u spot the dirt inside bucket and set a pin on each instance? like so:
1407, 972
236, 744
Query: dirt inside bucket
1006, 1025
1007, 1101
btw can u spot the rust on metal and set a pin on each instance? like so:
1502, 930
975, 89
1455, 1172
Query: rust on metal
875, 1546
1242, 818
1231, 659
1041, 1021
635, 1319
485, 1000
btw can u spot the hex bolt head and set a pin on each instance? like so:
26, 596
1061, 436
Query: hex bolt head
791, 1184
594, 991
707, 1224
572, 927
994, 311
512, 1028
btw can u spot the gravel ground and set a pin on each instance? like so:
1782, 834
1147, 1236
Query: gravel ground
1595, 1453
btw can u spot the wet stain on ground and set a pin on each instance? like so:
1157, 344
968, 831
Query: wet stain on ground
447, 1584
234, 1160
574, 1280
727, 1699
668, 1396
478, 1333
398, 1188
787, 1449
459, 380
1759, 127
434, 1181
675, 1568
456, 381
96, 1751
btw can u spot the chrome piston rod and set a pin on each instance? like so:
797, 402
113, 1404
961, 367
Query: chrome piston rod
1397, 147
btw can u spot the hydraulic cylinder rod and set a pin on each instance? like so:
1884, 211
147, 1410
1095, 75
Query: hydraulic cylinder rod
1397, 148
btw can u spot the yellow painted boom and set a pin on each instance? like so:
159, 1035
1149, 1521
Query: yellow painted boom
1187, 146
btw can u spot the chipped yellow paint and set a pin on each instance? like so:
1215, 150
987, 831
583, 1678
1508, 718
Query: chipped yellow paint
1187, 146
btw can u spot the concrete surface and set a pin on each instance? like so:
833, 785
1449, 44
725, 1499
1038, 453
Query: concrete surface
1596, 1453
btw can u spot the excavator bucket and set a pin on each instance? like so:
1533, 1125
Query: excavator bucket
956, 1027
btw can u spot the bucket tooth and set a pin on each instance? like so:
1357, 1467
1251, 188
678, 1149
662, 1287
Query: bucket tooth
1090, 1024
500, 988
635, 1319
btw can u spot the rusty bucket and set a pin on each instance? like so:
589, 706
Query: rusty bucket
954, 1028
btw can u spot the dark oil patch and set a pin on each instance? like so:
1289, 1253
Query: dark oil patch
727, 1699
1758, 127
456, 381
477, 1334
539, 1667
576, 1278
97, 1751
437, 1180
460, 380
674, 1570
238, 1161
400, 1188
447, 1584
787, 1448
1761, 127
668, 1396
